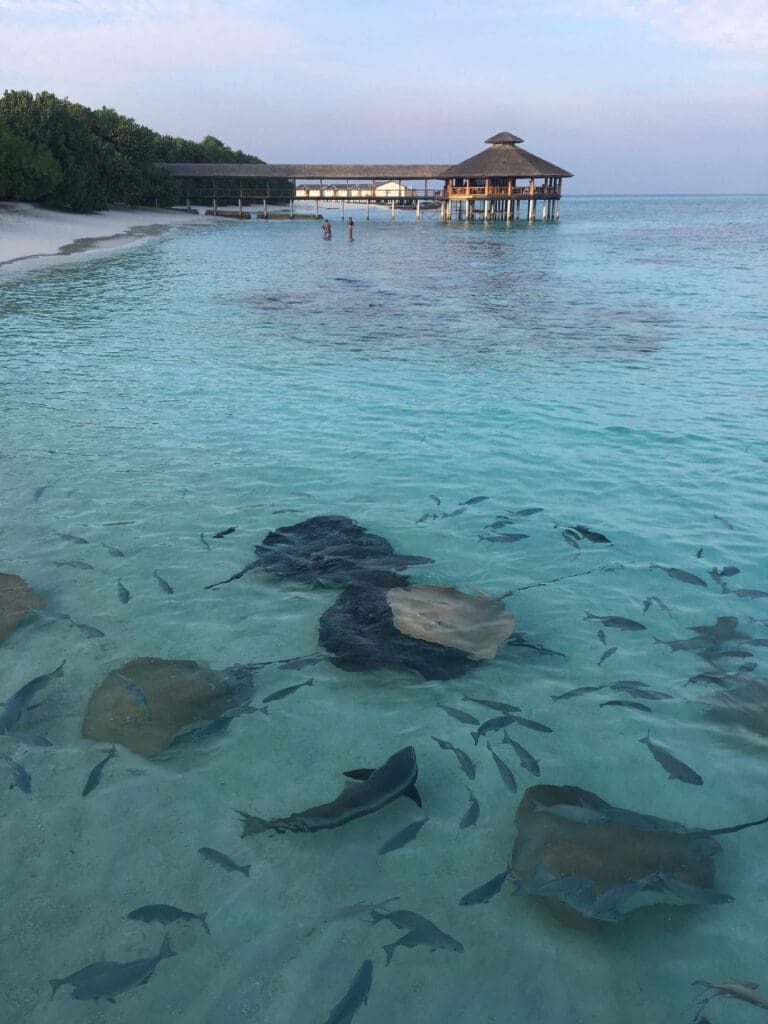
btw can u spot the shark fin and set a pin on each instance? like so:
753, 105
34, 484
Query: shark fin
413, 794
361, 774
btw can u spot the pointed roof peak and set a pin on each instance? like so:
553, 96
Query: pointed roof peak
503, 139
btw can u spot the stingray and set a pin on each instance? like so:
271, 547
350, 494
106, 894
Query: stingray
16, 599
144, 703
443, 615
593, 863
745, 706
328, 551
359, 633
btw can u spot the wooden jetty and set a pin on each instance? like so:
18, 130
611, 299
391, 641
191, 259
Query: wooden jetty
502, 182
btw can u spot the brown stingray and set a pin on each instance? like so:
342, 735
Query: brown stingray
616, 848
16, 599
444, 615
177, 693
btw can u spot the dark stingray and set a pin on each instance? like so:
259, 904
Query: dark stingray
594, 863
359, 633
744, 706
329, 551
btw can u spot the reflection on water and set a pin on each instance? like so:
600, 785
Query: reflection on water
564, 427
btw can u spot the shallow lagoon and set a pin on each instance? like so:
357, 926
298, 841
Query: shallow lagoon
609, 369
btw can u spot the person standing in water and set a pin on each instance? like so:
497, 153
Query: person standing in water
350, 229
326, 228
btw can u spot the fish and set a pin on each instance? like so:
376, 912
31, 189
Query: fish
725, 522
436, 500
640, 690
577, 692
115, 552
465, 763
120, 522
122, 593
527, 511
378, 787
500, 523
661, 605
19, 702
108, 978
493, 725
569, 536
39, 492
204, 542
355, 996
474, 501
606, 654
426, 516
680, 574
601, 637
403, 837
692, 893
504, 538
749, 593
495, 705
516, 641
692, 643
507, 777
224, 533
592, 535
164, 913
94, 776
74, 564
527, 760
675, 768
634, 704
202, 732
647, 604
760, 642
715, 574
485, 892
458, 714
744, 990
21, 776
424, 933
286, 691
529, 723
456, 512
138, 695
616, 621
729, 570
71, 537
163, 584
358, 910
295, 663
472, 813
217, 857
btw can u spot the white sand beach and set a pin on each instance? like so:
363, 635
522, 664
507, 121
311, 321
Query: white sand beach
30, 233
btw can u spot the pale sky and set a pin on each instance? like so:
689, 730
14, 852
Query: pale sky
635, 96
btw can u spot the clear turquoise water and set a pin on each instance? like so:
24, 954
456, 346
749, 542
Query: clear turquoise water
610, 369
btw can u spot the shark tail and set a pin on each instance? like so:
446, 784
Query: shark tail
389, 950
55, 984
202, 918
252, 825
166, 950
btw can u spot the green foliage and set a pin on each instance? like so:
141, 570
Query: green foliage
71, 157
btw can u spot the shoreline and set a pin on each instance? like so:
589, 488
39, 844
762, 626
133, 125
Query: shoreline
31, 234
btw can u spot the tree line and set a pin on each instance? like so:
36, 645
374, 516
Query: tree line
67, 156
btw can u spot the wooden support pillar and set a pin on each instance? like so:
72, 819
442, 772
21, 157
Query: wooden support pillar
240, 204
392, 205
418, 209
317, 207
189, 205
265, 210
290, 208
367, 209
215, 206
531, 209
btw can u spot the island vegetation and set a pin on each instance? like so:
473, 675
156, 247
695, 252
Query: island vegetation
66, 156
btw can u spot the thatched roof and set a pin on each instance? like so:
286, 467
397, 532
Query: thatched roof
505, 159
328, 172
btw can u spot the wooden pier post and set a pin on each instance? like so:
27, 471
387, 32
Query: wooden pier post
392, 204
265, 210
418, 209
367, 209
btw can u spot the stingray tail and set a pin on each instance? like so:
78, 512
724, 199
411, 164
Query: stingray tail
733, 828
237, 576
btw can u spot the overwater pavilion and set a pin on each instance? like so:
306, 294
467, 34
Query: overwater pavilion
503, 182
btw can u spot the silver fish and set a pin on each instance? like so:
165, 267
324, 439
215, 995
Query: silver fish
138, 695
217, 857
485, 892
472, 813
458, 714
493, 725
94, 776
71, 537
163, 584
577, 692
122, 593
465, 763
693, 893
39, 491
474, 501
601, 637
606, 654
504, 538
355, 996
204, 542
164, 913
89, 631
287, 691
74, 564
423, 934
495, 705
616, 621
592, 535
675, 768
115, 552
529, 723
636, 705
20, 701
527, 761
108, 979
505, 772
680, 574
404, 836
360, 910
21, 776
